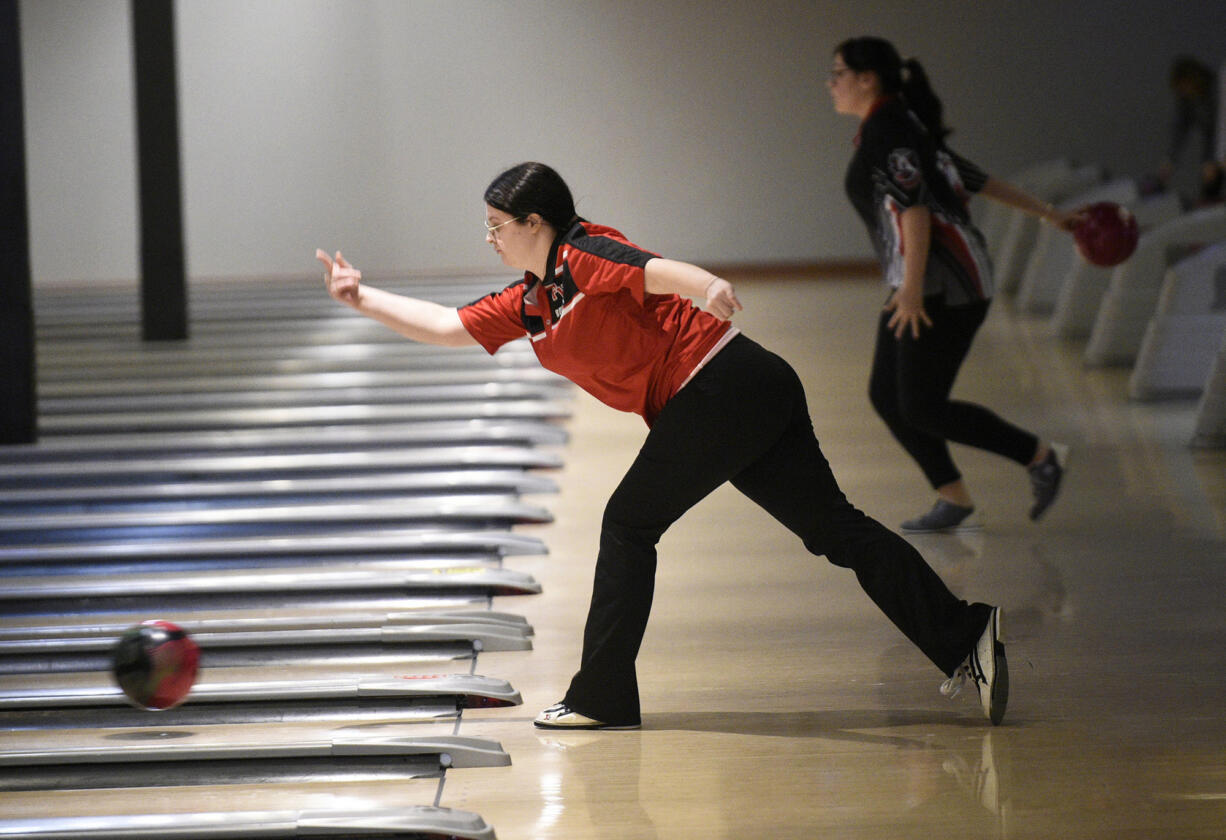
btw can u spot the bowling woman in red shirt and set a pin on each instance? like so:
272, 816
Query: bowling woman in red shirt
617, 321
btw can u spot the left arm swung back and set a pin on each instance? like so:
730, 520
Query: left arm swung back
419, 320
664, 276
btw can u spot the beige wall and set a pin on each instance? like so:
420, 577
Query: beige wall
703, 130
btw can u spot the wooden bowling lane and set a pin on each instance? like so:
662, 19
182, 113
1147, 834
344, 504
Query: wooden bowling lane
326, 508
67, 361
102, 628
468, 432
272, 690
355, 544
236, 299
174, 420
453, 512
320, 640
310, 749
173, 469
382, 593
98, 350
111, 622
340, 816
243, 304
185, 495
246, 395
52, 759
374, 382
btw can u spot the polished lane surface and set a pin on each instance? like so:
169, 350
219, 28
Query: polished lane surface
368, 533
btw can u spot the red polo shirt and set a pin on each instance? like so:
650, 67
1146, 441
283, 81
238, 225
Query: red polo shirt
592, 321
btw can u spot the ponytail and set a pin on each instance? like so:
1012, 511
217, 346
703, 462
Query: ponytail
922, 100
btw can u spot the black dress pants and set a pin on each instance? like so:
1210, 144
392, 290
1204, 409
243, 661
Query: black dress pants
744, 419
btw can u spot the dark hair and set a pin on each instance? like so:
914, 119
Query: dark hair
907, 79
533, 188
1188, 70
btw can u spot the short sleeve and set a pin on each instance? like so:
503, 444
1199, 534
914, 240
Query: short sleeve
971, 176
496, 318
604, 265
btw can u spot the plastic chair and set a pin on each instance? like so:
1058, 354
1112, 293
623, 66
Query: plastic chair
1023, 229
1055, 251
1132, 295
1084, 286
1210, 430
1188, 326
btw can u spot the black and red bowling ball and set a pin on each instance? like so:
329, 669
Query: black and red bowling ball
155, 664
1107, 233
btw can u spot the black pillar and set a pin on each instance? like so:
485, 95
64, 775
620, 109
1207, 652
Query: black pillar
18, 408
163, 272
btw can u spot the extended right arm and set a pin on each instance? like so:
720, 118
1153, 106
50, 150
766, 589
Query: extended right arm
419, 320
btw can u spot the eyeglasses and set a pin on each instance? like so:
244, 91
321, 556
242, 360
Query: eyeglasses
492, 230
838, 72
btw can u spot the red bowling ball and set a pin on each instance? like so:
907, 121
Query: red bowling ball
1107, 234
155, 664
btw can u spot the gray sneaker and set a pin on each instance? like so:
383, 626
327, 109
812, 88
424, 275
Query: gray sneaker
944, 516
1045, 478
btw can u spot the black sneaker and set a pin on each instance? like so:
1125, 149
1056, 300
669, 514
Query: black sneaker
944, 516
990, 670
1045, 478
562, 716
987, 668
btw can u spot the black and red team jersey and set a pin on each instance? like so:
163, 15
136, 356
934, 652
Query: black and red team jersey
591, 320
898, 164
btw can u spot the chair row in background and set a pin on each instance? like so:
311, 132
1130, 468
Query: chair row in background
1162, 311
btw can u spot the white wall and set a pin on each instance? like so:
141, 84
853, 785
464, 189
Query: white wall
703, 130
80, 139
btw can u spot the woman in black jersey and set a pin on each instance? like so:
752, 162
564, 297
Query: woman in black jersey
911, 191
